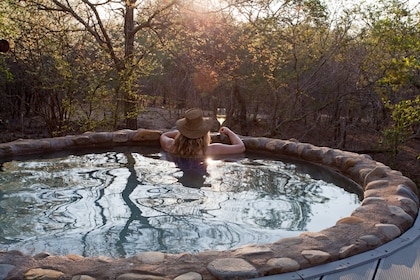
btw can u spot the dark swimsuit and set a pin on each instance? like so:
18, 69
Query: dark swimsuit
194, 170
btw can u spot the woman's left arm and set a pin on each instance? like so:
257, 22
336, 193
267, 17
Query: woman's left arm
167, 140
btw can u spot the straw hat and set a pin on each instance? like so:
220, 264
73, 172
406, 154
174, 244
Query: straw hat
194, 125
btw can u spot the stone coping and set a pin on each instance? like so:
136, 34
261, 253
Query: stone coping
389, 208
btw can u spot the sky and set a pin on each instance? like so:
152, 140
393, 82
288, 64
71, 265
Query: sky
343, 3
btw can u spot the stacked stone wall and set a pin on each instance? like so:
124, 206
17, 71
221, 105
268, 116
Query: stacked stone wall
389, 208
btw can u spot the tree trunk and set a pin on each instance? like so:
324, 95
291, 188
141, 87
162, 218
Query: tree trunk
417, 135
130, 100
241, 104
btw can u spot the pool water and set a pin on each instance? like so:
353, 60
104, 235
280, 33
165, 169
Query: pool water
120, 203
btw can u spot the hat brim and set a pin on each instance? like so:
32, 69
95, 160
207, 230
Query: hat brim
196, 132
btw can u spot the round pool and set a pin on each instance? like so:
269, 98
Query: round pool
124, 201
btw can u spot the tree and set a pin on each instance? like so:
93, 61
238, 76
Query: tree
91, 18
292, 42
394, 48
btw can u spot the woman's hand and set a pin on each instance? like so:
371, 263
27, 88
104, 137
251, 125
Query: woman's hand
225, 130
234, 139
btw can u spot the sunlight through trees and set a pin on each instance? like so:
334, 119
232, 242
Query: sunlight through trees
278, 66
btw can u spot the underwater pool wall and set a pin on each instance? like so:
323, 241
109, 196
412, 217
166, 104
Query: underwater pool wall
389, 208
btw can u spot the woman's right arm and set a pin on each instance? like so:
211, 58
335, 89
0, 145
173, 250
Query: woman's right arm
236, 146
234, 138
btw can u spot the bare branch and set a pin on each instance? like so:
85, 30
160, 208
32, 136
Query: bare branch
148, 23
95, 28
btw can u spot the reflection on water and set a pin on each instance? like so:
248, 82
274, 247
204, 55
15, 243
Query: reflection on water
121, 203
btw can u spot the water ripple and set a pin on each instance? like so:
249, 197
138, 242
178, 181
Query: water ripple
118, 204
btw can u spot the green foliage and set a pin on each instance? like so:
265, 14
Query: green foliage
292, 62
406, 113
391, 67
5, 74
394, 49
406, 116
5, 32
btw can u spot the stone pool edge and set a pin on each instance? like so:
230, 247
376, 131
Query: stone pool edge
389, 208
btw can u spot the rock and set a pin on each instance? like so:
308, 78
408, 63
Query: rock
151, 257
82, 277
360, 210
281, 265
372, 200
406, 191
350, 220
253, 250
371, 240
189, 276
399, 212
232, 268
315, 235
407, 205
290, 148
101, 137
42, 255
373, 193
82, 140
74, 257
346, 251
377, 184
104, 259
146, 135
5, 269
43, 274
289, 241
316, 256
134, 276
271, 145
376, 174
120, 137
390, 231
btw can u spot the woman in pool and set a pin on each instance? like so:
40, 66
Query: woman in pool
192, 138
